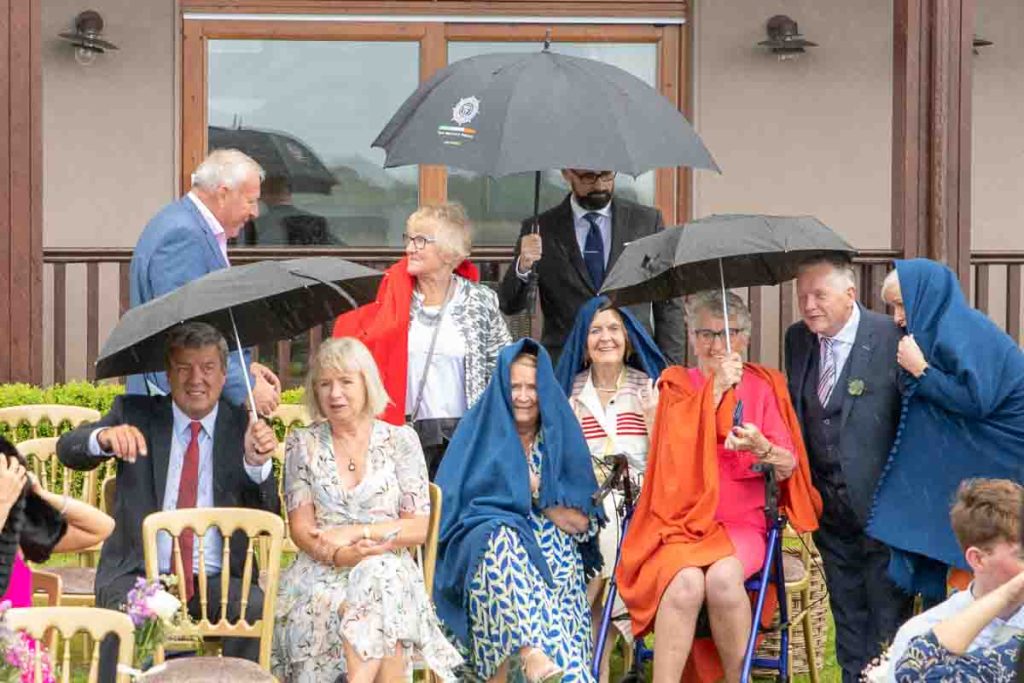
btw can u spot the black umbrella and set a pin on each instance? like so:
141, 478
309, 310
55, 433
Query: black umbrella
505, 113
253, 304
280, 154
743, 250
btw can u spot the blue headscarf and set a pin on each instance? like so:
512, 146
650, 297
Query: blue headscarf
485, 482
645, 357
963, 418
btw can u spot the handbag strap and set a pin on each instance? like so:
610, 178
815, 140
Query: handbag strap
430, 353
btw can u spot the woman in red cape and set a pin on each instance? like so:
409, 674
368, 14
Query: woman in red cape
431, 312
699, 529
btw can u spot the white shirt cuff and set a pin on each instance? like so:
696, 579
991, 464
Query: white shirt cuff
94, 444
259, 473
525, 277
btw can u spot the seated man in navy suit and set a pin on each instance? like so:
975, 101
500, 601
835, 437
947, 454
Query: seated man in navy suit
188, 239
187, 450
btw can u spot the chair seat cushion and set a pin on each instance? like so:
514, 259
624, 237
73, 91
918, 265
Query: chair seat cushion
76, 580
207, 669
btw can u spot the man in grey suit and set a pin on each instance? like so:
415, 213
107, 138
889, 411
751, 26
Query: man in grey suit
579, 242
188, 239
841, 365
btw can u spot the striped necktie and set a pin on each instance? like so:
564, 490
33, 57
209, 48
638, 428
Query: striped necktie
826, 370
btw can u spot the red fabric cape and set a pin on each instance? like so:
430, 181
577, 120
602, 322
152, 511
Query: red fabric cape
674, 523
384, 327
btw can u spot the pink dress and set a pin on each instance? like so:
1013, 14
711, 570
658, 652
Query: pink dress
741, 490
19, 590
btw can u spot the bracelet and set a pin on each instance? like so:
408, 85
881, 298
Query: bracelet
366, 533
64, 507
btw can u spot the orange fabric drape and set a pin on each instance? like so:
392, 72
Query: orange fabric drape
384, 327
674, 523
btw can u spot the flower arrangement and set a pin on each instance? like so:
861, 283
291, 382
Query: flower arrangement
19, 651
152, 609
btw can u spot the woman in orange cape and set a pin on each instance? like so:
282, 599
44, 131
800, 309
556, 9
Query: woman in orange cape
434, 330
699, 528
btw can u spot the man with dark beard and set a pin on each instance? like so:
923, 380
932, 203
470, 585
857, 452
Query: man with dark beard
577, 244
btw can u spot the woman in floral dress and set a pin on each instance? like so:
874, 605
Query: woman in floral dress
357, 497
518, 529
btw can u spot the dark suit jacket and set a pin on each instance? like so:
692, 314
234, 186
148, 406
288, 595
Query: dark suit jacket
869, 420
140, 485
565, 285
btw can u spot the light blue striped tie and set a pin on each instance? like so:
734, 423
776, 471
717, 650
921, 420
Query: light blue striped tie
827, 370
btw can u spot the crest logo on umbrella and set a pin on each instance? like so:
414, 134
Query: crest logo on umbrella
465, 110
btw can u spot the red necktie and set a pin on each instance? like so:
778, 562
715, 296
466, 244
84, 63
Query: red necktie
188, 491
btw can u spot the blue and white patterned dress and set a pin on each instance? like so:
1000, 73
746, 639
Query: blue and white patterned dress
511, 606
927, 660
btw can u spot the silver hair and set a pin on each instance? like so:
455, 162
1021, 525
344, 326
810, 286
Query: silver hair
710, 300
842, 268
227, 167
454, 230
891, 280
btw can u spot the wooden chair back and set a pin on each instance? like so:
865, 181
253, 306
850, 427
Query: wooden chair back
107, 493
289, 545
433, 531
291, 415
260, 527
55, 414
49, 584
41, 455
67, 621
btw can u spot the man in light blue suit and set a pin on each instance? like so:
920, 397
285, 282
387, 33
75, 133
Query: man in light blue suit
188, 239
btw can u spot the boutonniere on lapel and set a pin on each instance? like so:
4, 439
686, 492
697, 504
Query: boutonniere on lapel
855, 387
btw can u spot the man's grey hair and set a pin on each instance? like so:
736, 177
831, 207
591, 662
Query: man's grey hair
227, 167
842, 268
710, 301
194, 336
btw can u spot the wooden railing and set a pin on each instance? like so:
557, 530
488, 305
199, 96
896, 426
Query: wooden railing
103, 296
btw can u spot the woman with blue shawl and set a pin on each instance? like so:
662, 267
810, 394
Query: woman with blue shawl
963, 417
608, 369
518, 527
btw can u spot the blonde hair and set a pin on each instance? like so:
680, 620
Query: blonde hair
454, 230
710, 301
227, 167
892, 279
525, 358
346, 354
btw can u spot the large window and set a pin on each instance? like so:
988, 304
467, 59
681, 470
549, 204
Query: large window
307, 98
308, 111
498, 205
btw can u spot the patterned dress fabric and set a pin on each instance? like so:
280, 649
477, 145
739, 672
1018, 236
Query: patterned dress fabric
927, 660
511, 606
377, 604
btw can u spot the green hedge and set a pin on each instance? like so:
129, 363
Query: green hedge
86, 395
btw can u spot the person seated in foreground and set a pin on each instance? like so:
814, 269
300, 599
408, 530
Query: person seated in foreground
986, 521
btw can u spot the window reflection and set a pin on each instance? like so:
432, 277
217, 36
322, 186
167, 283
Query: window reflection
307, 111
498, 206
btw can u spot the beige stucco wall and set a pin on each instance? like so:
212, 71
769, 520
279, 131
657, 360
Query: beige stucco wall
109, 146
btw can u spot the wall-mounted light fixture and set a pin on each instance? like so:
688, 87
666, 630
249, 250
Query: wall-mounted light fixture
86, 38
784, 39
980, 42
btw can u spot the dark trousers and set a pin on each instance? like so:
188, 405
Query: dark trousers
115, 594
868, 608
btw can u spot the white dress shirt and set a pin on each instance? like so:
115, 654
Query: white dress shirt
216, 229
180, 436
995, 632
842, 343
443, 396
582, 226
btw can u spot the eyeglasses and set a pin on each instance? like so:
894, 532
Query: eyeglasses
419, 242
706, 336
589, 177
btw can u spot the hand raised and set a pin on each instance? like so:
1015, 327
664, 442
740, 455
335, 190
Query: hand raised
260, 442
12, 481
124, 441
530, 251
910, 357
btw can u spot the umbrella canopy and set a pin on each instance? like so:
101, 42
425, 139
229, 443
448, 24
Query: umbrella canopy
718, 251
268, 301
281, 155
505, 113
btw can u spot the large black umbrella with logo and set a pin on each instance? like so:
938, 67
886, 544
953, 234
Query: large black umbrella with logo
503, 113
